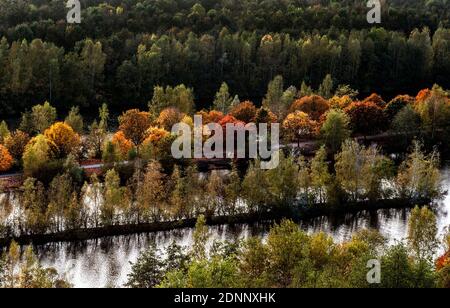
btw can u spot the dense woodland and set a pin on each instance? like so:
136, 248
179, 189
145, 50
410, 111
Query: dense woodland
313, 66
123, 49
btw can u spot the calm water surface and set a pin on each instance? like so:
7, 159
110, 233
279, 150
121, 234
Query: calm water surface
106, 262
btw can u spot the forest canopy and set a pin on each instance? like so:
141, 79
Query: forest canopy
122, 50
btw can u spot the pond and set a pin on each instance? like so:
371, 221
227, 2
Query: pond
106, 262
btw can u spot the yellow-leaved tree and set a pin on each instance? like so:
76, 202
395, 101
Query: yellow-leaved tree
64, 139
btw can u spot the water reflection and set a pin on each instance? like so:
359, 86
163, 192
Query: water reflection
106, 262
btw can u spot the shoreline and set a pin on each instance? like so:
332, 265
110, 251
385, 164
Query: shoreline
296, 215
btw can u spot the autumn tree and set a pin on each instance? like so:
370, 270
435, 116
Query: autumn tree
6, 160
335, 130
265, 116
396, 105
16, 143
422, 233
375, 99
340, 102
245, 112
315, 106
63, 138
434, 110
36, 155
299, 125
134, 124
179, 205
212, 116
157, 145
366, 118
168, 118
122, 144
150, 193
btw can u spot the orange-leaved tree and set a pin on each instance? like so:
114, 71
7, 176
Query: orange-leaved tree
169, 117
64, 139
434, 109
134, 123
376, 99
212, 116
122, 144
366, 118
157, 144
298, 125
314, 106
6, 160
264, 115
245, 112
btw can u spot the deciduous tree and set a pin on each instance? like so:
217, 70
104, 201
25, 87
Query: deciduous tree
245, 112
6, 160
335, 130
134, 124
299, 125
63, 138
122, 144
315, 106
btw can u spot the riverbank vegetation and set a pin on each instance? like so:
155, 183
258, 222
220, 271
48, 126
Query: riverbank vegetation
359, 175
289, 257
21, 269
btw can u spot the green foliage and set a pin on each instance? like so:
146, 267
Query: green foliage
203, 43
223, 100
36, 155
75, 120
422, 233
40, 118
26, 272
335, 130
4, 132
148, 271
418, 177
179, 97
326, 88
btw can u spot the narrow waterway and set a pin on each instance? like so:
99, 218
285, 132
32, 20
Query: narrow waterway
106, 262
